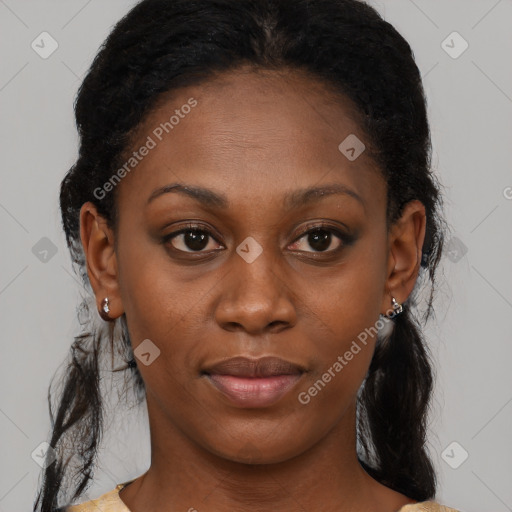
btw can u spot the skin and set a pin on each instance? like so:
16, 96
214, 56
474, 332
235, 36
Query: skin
253, 137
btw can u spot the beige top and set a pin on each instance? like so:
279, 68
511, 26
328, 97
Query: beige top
111, 502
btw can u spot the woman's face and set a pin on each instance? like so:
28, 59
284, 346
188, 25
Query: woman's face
247, 279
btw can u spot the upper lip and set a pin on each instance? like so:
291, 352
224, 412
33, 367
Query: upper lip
246, 367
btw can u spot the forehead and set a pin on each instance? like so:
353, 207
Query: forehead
251, 134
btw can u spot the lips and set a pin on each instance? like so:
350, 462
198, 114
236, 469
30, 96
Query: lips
262, 367
252, 383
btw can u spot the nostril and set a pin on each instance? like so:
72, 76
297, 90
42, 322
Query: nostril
233, 326
278, 325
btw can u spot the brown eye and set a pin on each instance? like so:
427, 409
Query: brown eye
192, 240
320, 240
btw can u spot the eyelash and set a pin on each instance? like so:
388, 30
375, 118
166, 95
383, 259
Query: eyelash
344, 238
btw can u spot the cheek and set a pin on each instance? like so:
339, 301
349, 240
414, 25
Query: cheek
342, 355
159, 307
163, 306
157, 298
349, 300
344, 325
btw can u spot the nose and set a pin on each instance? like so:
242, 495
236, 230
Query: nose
255, 298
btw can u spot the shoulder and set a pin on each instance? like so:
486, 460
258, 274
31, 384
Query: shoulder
427, 506
108, 502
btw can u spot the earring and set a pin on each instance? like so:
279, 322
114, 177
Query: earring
105, 309
397, 307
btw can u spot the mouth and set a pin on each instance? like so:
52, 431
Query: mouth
254, 383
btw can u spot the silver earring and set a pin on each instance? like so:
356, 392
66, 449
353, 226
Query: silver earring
397, 307
105, 310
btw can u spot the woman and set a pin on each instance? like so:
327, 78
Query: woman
254, 211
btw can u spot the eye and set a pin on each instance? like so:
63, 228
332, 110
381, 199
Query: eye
320, 239
192, 239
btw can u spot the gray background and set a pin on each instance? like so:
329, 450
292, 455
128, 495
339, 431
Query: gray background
470, 107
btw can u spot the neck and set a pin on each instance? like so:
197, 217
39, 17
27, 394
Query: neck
185, 476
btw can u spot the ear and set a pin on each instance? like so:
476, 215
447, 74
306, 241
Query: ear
98, 244
404, 257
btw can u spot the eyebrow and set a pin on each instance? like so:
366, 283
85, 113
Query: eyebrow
293, 199
304, 196
203, 195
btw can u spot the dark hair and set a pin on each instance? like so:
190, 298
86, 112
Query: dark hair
161, 45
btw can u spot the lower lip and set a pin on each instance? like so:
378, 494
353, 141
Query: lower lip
254, 392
